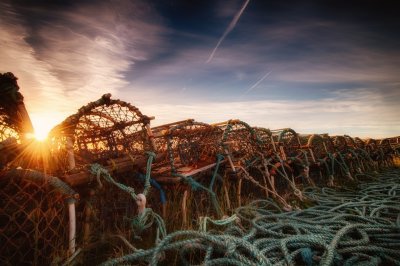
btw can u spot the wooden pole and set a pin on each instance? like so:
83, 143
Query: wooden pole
120, 165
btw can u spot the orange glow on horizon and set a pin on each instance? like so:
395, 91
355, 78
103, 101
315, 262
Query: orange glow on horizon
38, 135
43, 124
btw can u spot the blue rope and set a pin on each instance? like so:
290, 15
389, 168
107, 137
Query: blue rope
155, 184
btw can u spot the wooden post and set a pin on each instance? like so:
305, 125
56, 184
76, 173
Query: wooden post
283, 153
239, 192
184, 209
312, 155
230, 160
151, 136
228, 202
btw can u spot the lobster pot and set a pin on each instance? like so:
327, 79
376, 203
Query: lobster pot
101, 130
33, 222
105, 219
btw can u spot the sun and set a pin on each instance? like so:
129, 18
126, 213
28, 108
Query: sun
40, 134
42, 124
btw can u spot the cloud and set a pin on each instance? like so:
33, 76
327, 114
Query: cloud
326, 74
75, 57
312, 50
359, 113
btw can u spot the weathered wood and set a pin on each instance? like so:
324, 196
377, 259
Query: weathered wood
189, 171
116, 166
198, 170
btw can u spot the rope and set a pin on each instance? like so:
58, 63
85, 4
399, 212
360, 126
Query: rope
147, 186
346, 227
36, 176
197, 186
146, 218
220, 157
154, 183
226, 221
100, 171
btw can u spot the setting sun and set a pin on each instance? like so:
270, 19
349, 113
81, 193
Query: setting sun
40, 134
42, 124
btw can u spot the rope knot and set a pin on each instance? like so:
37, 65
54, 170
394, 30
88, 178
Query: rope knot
151, 154
95, 169
220, 157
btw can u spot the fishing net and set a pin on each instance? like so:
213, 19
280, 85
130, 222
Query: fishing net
135, 182
101, 130
33, 219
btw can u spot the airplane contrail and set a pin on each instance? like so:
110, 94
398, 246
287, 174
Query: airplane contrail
258, 82
229, 29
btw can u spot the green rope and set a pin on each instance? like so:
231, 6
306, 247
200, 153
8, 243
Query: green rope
347, 227
145, 220
147, 185
196, 186
100, 171
53, 181
222, 222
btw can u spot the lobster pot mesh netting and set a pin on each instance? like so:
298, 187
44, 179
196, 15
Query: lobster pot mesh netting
33, 222
101, 130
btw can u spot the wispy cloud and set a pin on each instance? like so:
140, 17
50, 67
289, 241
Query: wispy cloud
230, 27
355, 112
64, 63
328, 75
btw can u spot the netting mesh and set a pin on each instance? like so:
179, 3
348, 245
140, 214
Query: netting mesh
114, 134
106, 220
102, 130
359, 143
108, 131
33, 222
190, 151
316, 144
268, 144
200, 170
289, 140
6, 131
240, 141
340, 143
191, 144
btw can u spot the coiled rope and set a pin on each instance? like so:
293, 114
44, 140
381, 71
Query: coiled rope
347, 227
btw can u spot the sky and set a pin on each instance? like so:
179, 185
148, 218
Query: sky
315, 66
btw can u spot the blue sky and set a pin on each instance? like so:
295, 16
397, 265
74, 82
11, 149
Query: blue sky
316, 66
